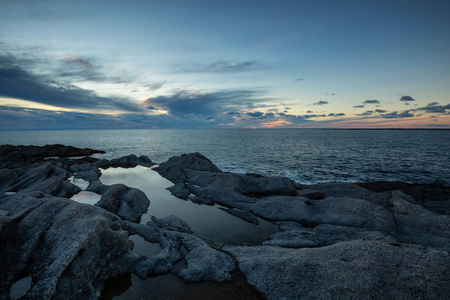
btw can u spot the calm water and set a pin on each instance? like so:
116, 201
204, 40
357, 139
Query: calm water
418, 156
208, 222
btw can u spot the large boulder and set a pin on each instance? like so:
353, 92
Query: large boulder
128, 203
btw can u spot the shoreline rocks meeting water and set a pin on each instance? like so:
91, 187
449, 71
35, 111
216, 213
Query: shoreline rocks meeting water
334, 240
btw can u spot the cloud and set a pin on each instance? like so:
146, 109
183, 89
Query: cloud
331, 115
227, 67
358, 106
256, 114
371, 102
434, 107
151, 107
309, 111
233, 113
321, 102
395, 115
184, 103
380, 111
330, 94
155, 85
407, 98
18, 83
366, 113
313, 116
299, 79
339, 115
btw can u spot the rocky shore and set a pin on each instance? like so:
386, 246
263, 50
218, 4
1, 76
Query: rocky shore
336, 241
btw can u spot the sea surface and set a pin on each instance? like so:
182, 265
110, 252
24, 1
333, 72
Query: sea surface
305, 155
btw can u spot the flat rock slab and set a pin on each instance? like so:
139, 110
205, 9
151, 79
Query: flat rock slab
349, 270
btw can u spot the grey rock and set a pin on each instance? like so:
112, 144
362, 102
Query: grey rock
125, 161
324, 235
346, 190
175, 167
348, 270
65, 246
128, 203
416, 224
349, 212
180, 190
47, 177
172, 223
203, 262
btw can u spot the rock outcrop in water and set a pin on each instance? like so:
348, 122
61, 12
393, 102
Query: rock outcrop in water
336, 241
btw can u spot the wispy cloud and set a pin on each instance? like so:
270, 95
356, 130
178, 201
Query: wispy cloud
227, 67
321, 102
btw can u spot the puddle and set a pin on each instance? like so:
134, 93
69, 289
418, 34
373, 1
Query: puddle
169, 286
207, 222
86, 197
82, 184
20, 288
142, 247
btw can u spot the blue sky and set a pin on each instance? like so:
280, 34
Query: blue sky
224, 64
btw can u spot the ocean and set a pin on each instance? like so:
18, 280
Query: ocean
305, 155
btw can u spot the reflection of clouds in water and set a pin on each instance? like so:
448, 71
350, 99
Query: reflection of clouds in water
86, 197
82, 184
208, 222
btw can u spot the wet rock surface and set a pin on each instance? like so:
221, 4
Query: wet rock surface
337, 240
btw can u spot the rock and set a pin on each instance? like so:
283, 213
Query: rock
346, 190
47, 177
415, 224
175, 167
20, 156
348, 270
204, 263
66, 247
180, 190
324, 235
244, 215
434, 197
172, 223
125, 161
128, 203
348, 212
97, 187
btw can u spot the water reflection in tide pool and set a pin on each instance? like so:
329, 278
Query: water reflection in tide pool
207, 222
169, 286
86, 197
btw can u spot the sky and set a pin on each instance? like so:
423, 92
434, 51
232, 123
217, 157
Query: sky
224, 64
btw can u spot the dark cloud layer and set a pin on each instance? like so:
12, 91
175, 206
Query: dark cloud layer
185, 103
18, 83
